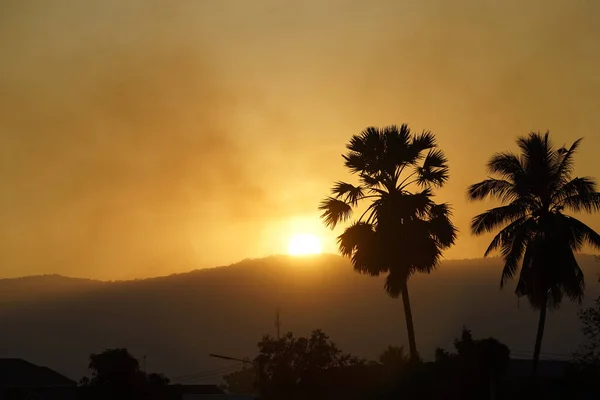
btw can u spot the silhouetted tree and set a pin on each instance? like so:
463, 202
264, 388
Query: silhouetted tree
157, 379
402, 231
291, 365
476, 367
394, 357
535, 187
116, 374
243, 381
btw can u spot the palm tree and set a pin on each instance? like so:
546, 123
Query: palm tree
401, 231
535, 188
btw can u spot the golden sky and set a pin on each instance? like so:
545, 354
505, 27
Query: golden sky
144, 137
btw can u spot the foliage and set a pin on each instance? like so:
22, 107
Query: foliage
394, 357
290, 364
536, 187
483, 356
241, 382
475, 366
114, 366
116, 374
402, 231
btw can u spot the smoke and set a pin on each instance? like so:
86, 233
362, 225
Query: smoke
118, 141
143, 137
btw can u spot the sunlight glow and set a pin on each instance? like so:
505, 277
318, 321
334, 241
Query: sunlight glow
304, 244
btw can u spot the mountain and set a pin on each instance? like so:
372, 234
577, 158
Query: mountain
175, 321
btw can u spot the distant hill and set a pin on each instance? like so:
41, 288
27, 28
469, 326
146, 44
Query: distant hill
177, 320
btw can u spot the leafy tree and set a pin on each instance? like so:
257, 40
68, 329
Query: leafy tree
241, 382
402, 231
535, 188
114, 366
476, 367
291, 364
116, 374
157, 379
394, 357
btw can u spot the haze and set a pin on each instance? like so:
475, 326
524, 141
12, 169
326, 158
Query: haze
141, 138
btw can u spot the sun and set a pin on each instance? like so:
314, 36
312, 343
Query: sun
304, 244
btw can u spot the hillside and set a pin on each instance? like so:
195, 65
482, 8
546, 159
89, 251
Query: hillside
177, 320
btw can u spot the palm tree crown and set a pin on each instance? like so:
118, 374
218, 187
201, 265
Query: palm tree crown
535, 188
400, 232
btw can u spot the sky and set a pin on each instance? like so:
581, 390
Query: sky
145, 137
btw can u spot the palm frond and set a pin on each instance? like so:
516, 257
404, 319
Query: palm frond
427, 254
491, 219
566, 163
580, 230
514, 247
535, 147
349, 193
529, 258
577, 186
589, 202
395, 282
434, 170
435, 159
359, 244
571, 280
365, 151
433, 177
356, 163
441, 226
507, 165
424, 141
394, 207
500, 189
334, 211
372, 182
504, 235
357, 234
397, 147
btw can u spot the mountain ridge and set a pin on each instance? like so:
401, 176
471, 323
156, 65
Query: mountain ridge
176, 320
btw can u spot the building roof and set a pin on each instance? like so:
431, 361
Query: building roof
17, 372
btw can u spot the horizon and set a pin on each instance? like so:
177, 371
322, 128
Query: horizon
294, 258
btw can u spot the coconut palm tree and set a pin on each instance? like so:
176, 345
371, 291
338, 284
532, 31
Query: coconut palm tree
402, 230
535, 189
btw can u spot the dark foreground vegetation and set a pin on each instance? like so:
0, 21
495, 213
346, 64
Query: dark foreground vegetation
315, 368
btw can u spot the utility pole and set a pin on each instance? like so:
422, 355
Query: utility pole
278, 324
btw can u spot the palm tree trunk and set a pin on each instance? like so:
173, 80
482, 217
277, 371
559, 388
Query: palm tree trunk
409, 324
538, 339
